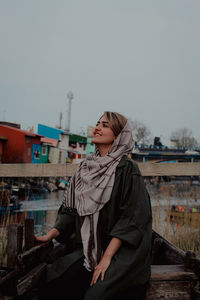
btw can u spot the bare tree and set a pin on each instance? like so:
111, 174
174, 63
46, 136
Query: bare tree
184, 138
141, 133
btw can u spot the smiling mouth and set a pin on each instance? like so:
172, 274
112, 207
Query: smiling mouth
97, 134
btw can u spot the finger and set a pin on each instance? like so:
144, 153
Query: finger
95, 277
102, 276
94, 280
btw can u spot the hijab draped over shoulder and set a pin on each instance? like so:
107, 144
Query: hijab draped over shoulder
90, 189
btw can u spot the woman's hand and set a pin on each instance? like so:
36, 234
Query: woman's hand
42, 238
53, 233
101, 268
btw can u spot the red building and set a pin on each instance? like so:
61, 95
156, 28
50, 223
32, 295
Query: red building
2, 146
19, 146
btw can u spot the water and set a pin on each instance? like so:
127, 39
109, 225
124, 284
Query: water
43, 209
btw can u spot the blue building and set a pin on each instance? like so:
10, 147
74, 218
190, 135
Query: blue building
49, 132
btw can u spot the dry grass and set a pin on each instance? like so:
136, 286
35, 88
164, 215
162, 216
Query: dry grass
184, 232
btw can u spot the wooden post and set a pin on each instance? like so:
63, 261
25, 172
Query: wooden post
29, 233
31, 279
14, 246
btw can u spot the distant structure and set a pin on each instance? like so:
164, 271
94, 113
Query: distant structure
90, 148
90, 130
60, 120
70, 97
10, 124
174, 143
157, 141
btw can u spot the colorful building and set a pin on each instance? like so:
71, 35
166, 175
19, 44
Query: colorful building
70, 147
47, 143
21, 146
77, 148
90, 148
50, 132
58, 154
2, 146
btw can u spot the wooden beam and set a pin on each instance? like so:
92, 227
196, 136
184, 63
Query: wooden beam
170, 169
37, 170
29, 233
62, 170
14, 246
171, 272
26, 283
173, 289
34, 256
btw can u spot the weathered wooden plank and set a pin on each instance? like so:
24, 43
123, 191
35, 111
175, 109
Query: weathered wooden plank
195, 293
14, 246
62, 170
176, 290
192, 262
27, 282
37, 170
11, 274
170, 169
29, 233
35, 255
171, 272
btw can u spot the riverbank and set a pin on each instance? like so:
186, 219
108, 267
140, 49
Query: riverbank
32, 185
42, 207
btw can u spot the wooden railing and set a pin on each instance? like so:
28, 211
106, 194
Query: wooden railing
61, 170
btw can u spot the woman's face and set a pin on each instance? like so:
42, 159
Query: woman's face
102, 133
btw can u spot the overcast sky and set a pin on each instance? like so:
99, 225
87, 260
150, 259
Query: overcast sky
140, 58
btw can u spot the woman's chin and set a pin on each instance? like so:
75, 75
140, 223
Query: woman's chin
95, 140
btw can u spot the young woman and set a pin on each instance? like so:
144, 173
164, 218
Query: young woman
107, 207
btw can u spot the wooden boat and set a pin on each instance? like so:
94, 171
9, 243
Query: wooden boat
175, 274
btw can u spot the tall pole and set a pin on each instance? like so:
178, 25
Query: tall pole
70, 96
60, 120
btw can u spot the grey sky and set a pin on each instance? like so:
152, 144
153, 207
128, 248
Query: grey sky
140, 58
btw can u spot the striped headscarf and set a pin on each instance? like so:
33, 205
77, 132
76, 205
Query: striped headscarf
90, 189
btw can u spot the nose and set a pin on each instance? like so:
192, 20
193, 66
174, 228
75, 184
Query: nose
97, 128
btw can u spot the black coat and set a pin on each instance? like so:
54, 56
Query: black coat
126, 216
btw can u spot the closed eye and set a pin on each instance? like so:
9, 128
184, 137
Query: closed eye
104, 123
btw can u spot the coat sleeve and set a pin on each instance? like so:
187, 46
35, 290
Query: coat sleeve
65, 223
135, 209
